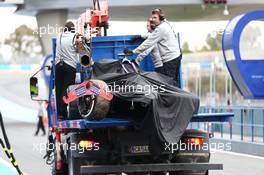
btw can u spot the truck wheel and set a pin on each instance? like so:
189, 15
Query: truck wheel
73, 165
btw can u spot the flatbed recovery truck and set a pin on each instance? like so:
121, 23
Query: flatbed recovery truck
115, 146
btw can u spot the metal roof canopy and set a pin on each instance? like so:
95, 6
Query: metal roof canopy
181, 10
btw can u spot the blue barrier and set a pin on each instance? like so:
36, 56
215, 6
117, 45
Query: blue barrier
21, 67
4, 67
246, 126
25, 67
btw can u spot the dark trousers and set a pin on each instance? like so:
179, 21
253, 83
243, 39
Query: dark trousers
172, 69
64, 77
40, 126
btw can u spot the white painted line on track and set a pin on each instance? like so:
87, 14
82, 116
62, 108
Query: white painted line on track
238, 154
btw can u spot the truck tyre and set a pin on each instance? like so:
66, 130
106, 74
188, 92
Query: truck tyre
73, 165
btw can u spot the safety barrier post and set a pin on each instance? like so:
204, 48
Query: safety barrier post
222, 128
242, 123
213, 128
263, 124
252, 124
231, 129
222, 125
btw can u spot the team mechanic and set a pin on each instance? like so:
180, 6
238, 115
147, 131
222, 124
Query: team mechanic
167, 43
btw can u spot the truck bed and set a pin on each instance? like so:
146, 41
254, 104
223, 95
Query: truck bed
113, 122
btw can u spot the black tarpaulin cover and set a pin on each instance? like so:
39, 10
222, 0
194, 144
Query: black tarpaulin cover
164, 109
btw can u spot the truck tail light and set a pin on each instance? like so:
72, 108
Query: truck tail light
194, 141
86, 143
